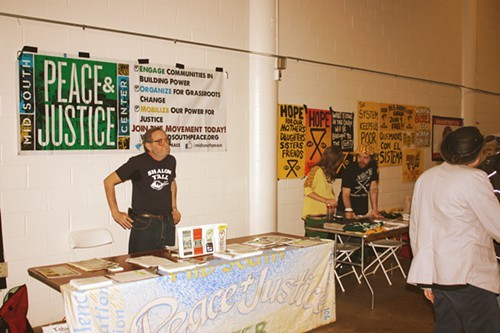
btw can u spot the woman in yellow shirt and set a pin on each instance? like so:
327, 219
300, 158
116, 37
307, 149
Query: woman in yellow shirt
318, 190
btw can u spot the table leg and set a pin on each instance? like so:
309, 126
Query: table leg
363, 271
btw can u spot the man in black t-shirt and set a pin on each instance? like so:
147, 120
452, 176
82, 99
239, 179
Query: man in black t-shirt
360, 182
154, 213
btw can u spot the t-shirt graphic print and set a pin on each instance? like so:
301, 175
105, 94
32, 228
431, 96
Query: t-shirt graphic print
151, 183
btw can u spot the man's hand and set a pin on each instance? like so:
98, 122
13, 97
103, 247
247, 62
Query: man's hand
123, 220
176, 215
376, 214
349, 215
429, 295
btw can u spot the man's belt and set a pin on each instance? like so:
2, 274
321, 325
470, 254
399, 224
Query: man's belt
133, 214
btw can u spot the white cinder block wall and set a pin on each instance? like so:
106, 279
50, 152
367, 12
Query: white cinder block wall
44, 197
410, 38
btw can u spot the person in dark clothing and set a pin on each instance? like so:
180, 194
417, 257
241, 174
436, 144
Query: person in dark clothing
360, 183
154, 212
491, 166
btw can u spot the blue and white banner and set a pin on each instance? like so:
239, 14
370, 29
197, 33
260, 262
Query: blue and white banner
278, 291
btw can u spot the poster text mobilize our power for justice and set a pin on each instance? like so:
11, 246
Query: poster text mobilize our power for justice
84, 104
279, 291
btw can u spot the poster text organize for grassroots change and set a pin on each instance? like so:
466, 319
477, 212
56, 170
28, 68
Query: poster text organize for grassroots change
84, 104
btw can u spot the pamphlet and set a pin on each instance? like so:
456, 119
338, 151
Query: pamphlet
282, 240
307, 242
60, 271
56, 328
164, 265
91, 282
261, 242
129, 276
149, 261
239, 248
230, 255
94, 264
270, 241
237, 251
174, 267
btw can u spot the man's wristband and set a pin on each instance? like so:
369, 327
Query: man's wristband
348, 210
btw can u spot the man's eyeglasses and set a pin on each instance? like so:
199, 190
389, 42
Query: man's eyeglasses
162, 141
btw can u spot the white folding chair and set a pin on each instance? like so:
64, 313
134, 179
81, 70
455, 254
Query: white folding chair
389, 247
344, 253
95, 239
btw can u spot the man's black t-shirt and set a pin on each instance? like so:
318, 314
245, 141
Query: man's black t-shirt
359, 181
151, 183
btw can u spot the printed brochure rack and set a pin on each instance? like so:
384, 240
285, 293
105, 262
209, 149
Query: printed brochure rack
201, 240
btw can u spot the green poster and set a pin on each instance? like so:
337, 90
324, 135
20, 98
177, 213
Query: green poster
76, 104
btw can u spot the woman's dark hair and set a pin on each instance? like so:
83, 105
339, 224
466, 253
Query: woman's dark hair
330, 161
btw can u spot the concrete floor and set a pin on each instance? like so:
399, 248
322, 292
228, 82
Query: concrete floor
398, 308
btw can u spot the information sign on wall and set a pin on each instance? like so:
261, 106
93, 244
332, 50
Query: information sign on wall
318, 135
72, 104
291, 140
393, 128
368, 123
85, 104
343, 130
422, 127
188, 104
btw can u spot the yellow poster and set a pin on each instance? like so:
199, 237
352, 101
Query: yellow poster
413, 164
291, 141
397, 130
368, 123
389, 149
409, 117
396, 117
